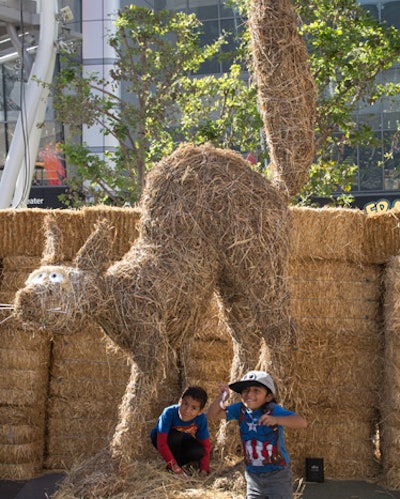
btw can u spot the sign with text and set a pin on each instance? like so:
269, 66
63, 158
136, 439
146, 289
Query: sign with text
46, 197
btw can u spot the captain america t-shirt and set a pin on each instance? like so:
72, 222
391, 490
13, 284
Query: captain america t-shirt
263, 446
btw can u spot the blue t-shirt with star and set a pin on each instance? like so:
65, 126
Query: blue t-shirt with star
263, 446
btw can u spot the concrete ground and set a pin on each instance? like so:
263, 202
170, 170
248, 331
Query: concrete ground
43, 487
38, 488
347, 490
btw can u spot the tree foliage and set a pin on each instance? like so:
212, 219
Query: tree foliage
157, 55
348, 51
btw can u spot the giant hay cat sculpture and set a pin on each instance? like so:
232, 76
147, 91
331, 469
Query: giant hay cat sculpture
210, 226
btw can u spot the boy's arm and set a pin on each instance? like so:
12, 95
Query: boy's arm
216, 409
205, 460
294, 421
164, 450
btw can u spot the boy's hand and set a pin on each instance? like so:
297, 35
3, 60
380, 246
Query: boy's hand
268, 420
203, 474
179, 471
224, 393
223, 388
217, 409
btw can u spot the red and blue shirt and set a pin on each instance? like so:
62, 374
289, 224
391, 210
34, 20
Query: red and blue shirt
263, 446
195, 428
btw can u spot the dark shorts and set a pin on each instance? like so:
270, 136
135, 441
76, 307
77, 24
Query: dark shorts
274, 485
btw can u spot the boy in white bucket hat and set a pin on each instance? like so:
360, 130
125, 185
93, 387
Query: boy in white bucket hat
261, 422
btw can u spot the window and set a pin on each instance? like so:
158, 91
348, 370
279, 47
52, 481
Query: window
390, 13
372, 10
216, 18
391, 161
204, 9
209, 33
172, 5
370, 166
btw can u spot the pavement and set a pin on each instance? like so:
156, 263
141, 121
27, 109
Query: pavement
45, 486
42, 487
347, 490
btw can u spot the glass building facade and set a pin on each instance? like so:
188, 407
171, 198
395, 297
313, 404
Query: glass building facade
378, 176
378, 173
22, 20
216, 18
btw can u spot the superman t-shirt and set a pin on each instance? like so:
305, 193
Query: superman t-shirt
170, 420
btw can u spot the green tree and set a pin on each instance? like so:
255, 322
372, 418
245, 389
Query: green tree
156, 52
348, 50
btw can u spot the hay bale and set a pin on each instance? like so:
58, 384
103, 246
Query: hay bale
17, 434
79, 408
390, 406
20, 263
338, 439
208, 359
23, 390
286, 90
21, 471
24, 364
69, 449
328, 234
20, 232
209, 354
336, 290
88, 380
382, 236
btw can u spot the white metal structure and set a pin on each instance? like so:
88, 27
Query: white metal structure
19, 166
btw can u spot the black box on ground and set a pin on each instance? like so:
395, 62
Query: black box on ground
314, 469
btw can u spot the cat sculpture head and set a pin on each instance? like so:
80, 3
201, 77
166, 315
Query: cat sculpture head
59, 298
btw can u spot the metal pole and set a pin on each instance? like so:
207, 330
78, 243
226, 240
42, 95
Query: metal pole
32, 114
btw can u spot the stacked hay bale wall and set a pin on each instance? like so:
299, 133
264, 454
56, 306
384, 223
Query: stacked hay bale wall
338, 364
24, 371
390, 428
336, 298
381, 246
87, 382
66, 406
59, 396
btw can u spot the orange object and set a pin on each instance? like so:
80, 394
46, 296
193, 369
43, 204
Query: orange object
53, 166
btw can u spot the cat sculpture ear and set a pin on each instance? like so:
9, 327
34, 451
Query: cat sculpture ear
52, 252
94, 255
